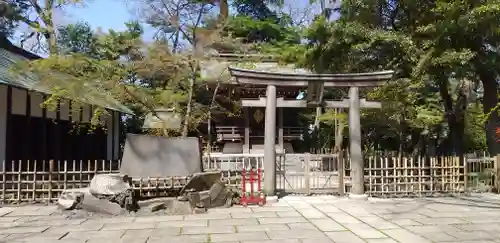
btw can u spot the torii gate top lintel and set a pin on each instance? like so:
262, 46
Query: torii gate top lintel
371, 79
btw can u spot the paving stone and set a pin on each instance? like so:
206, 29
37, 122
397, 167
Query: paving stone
289, 214
5, 211
481, 219
358, 212
86, 226
262, 227
312, 213
344, 237
364, 231
271, 209
141, 232
249, 221
302, 226
274, 241
8, 219
21, 230
439, 236
255, 215
57, 222
158, 218
108, 235
327, 225
403, 216
383, 240
301, 205
138, 239
234, 209
431, 228
179, 239
476, 227
120, 219
440, 221
282, 220
296, 234
244, 236
343, 218
325, 208
32, 237
405, 236
33, 211
434, 214
129, 226
471, 235
182, 223
167, 231
378, 223
208, 216
404, 222
215, 229
320, 240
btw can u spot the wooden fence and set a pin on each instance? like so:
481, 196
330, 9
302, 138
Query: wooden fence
425, 176
24, 181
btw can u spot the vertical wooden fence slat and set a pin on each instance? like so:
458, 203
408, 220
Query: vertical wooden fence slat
65, 175
19, 180
4, 180
33, 196
51, 169
341, 172
81, 173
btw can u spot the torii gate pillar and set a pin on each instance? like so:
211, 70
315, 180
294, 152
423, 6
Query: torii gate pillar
357, 162
270, 141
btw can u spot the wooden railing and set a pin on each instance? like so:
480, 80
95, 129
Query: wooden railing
231, 133
293, 132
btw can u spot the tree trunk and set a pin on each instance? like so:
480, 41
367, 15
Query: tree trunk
490, 101
455, 115
339, 136
224, 11
187, 118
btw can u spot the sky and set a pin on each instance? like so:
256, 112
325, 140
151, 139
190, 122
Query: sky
106, 14
112, 14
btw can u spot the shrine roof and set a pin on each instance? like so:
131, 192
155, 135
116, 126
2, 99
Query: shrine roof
300, 77
263, 70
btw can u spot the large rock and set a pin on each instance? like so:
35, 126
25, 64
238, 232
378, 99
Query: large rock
109, 184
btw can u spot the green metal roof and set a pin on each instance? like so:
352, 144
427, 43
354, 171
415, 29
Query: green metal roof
30, 82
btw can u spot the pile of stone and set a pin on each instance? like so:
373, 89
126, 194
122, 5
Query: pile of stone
112, 194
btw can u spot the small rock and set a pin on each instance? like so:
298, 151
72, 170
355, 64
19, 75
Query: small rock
103, 206
157, 206
70, 198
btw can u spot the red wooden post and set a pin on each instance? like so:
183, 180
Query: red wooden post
251, 184
259, 189
243, 180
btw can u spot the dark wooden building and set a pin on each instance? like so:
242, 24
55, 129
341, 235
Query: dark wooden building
30, 132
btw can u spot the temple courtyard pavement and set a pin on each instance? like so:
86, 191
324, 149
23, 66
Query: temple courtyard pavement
297, 219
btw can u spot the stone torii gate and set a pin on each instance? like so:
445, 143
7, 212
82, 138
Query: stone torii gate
315, 83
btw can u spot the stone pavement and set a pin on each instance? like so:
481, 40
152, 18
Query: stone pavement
294, 219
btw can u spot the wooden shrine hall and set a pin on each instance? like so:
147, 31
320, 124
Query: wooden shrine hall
29, 131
